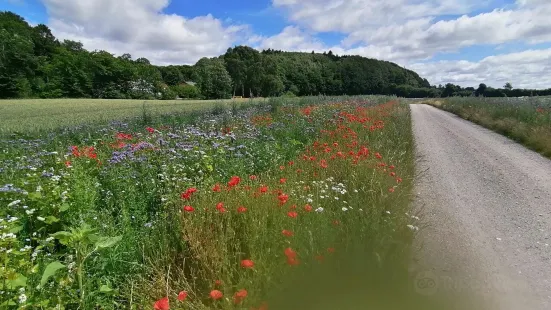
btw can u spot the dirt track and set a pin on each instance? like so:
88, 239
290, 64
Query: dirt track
487, 203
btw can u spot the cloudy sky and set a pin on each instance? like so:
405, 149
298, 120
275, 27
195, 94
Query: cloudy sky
465, 42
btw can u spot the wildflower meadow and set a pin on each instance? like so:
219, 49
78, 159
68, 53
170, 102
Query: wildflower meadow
286, 204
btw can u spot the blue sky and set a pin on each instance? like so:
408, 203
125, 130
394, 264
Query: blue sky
444, 40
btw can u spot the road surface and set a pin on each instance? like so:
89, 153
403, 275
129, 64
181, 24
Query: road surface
486, 201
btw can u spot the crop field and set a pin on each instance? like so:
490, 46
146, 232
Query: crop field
35, 115
287, 203
526, 120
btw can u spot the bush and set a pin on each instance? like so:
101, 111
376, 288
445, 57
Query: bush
186, 91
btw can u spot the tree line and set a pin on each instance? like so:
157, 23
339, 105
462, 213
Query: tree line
35, 64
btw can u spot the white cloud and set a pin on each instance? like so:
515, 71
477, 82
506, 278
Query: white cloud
139, 27
292, 38
526, 69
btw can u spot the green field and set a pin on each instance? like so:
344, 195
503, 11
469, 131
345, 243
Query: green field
525, 120
33, 115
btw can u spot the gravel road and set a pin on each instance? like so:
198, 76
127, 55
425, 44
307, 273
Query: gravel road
486, 201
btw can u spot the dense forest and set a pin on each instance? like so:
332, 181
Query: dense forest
34, 64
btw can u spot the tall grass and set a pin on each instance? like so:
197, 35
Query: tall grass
525, 120
302, 203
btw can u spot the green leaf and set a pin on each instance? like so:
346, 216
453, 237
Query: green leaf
63, 236
64, 207
35, 195
107, 242
18, 280
16, 229
105, 289
51, 219
50, 270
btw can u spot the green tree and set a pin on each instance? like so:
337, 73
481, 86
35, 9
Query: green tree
212, 78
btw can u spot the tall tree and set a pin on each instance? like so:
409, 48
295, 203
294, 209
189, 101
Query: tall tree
212, 78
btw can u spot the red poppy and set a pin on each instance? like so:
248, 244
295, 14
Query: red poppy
287, 233
281, 167
216, 188
241, 209
182, 296
290, 253
239, 296
234, 181
151, 130
263, 189
292, 261
219, 206
291, 163
379, 156
253, 177
393, 174
293, 207
188, 209
391, 190
216, 294
308, 208
218, 282
247, 263
391, 167
398, 180
282, 180
162, 304
331, 250
68, 164
323, 163
185, 196
283, 198
292, 214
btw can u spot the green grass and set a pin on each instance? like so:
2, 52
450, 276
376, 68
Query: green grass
526, 120
35, 115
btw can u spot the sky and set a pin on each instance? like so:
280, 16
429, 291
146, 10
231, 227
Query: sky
465, 42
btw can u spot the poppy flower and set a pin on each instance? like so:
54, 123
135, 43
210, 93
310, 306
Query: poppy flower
263, 189
241, 209
292, 261
219, 205
287, 233
216, 294
398, 180
247, 263
281, 167
379, 156
234, 181
331, 250
391, 190
68, 164
292, 214
185, 196
239, 296
162, 304
151, 130
216, 188
290, 253
218, 283
291, 163
282, 180
188, 209
323, 163
253, 177
283, 198
182, 296
308, 208
392, 174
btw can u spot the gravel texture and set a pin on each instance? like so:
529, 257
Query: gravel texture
486, 202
